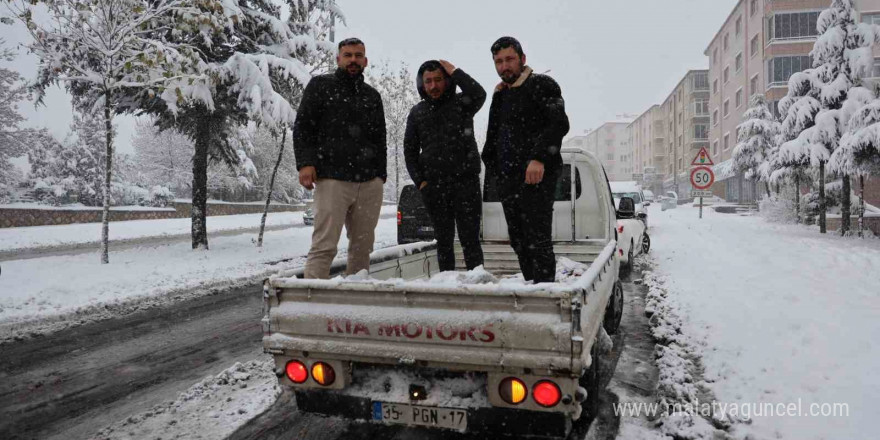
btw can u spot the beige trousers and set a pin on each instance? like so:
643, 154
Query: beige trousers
353, 205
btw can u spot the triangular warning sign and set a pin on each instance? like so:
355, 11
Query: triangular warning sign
702, 158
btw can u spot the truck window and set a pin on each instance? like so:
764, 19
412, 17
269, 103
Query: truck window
563, 186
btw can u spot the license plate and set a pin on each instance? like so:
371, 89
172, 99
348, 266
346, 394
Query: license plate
426, 229
420, 415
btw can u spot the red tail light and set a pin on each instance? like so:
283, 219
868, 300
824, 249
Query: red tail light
546, 393
399, 218
621, 252
620, 229
297, 371
323, 374
512, 390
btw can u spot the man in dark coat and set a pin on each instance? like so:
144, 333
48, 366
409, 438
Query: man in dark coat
340, 147
443, 160
527, 122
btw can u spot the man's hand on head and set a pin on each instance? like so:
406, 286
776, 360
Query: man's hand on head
448, 67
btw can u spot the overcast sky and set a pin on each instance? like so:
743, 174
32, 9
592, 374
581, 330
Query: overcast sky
609, 57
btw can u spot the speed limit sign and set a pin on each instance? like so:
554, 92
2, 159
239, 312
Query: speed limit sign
702, 177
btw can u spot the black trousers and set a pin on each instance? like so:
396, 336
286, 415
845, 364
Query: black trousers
528, 210
456, 203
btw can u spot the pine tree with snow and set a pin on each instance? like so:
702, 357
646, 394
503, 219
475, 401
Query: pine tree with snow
107, 52
757, 137
252, 64
842, 55
798, 109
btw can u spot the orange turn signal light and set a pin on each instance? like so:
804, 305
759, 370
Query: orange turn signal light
512, 390
323, 374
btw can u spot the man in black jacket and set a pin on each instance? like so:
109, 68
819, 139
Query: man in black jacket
527, 122
443, 160
339, 143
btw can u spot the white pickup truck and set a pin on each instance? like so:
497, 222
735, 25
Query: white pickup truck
478, 351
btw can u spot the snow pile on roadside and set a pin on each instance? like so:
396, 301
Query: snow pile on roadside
390, 385
678, 360
210, 409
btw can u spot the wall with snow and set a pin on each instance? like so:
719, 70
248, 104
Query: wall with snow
17, 215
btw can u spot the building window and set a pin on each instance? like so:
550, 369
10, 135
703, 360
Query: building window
715, 117
715, 148
788, 26
739, 97
726, 107
739, 25
875, 71
726, 141
701, 107
873, 18
753, 9
779, 69
726, 74
753, 85
726, 44
609, 156
701, 132
754, 46
739, 62
701, 81
715, 56
715, 86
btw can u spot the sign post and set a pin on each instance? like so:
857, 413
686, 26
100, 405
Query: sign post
702, 176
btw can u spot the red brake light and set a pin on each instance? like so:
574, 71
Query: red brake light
512, 390
399, 218
323, 374
620, 228
297, 371
546, 393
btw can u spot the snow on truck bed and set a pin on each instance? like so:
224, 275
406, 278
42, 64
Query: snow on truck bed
570, 275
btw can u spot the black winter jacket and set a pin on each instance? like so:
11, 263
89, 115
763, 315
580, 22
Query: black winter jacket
340, 129
439, 143
526, 122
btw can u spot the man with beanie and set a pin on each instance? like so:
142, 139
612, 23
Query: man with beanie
527, 122
340, 147
443, 160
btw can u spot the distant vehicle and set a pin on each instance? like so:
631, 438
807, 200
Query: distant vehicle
632, 234
634, 191
413, 222
309, 216
669, 201
649, 195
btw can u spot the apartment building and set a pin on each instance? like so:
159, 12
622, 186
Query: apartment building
610, 143
647, 138
686, 115
758, 47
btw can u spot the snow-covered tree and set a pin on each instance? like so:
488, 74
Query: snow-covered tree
105, 52
757, 137
798, 109
842, 55
164, 157
397, 85
253, 65
13, 138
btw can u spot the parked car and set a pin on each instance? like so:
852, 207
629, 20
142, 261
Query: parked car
634, 191
413, 222
649, 195
632, 234
309, 216
669, 201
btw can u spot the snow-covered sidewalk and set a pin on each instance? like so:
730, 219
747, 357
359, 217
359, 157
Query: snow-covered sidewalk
783, 315
70, 286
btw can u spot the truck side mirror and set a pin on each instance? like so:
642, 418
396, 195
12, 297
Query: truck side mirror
626, 208
642, 216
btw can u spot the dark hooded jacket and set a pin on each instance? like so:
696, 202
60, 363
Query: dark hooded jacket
527, 121
340, 129
439, 144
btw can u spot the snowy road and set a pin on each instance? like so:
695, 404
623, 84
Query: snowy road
73, 383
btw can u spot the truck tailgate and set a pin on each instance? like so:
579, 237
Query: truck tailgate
460, 328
